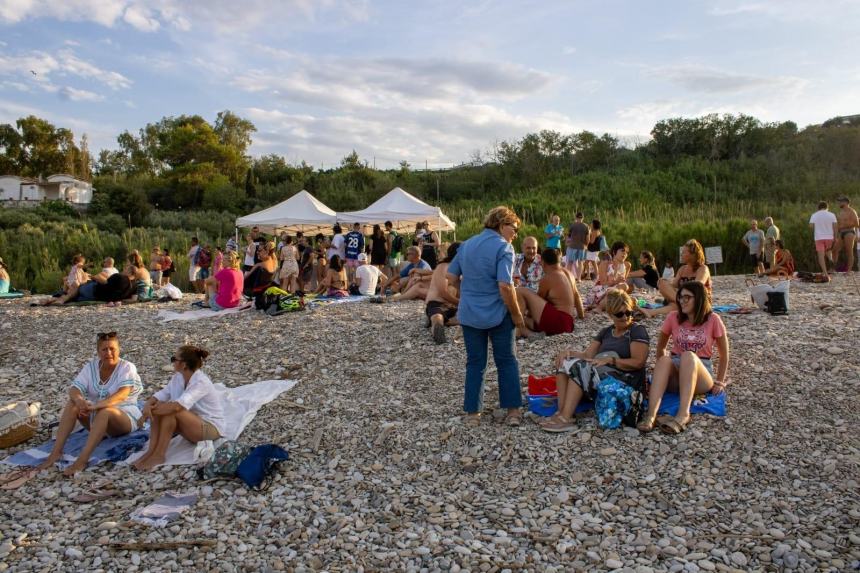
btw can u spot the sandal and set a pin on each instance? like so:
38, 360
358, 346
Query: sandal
90, 495
673, 427
514, 420
645, 427
472, 420
559, 426
20, 479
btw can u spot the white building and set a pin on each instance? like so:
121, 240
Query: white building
59, 187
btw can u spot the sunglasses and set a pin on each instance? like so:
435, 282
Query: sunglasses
623, 314
106, 335
685, 297
175, 359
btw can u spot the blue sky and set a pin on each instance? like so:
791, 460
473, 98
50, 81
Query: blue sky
434, 81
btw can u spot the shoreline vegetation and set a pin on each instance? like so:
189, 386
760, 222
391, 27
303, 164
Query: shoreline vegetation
702, 178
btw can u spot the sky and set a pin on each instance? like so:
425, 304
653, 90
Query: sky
436, 83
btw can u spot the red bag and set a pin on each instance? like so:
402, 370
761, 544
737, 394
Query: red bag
544, 386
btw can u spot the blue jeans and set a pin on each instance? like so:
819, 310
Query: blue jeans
475, 340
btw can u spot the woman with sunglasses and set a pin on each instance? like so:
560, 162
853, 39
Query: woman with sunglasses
694, 330
488, 311
620, 349
189, 405
103, 398
693, 269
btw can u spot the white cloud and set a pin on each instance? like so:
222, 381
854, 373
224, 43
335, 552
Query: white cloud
74, 94
63, 63
181, 15
800, 11
568, 50
711, 80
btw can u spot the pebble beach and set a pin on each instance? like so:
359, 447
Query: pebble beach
384, 476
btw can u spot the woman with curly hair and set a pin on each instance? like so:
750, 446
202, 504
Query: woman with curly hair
488, 311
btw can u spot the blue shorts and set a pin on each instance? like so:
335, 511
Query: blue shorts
575, 255
87, 292
213, 304
676, 361
202, 274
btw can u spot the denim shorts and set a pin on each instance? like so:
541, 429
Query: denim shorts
575, 255
213, 304
676, 361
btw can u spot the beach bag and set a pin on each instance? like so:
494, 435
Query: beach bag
585, 374
170, 291
614, 402
19, 422
260, 464
225, 462
760, 293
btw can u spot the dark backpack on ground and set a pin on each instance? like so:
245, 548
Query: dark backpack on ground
775, 303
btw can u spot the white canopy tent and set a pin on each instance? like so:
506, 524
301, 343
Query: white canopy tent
301, 212
402, 209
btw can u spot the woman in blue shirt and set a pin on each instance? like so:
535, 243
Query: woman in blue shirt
488, 311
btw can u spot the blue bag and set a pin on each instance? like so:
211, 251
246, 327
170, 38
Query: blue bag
260, 463
614, 401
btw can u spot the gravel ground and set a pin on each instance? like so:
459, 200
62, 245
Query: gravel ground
383, 476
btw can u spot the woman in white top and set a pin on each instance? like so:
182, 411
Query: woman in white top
103, 398
189, 405
611, 274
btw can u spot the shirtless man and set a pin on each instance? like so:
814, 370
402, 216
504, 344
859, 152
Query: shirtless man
551, 309
847, 223
442, 299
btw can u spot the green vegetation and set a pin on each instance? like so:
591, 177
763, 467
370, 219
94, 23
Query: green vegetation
703, 177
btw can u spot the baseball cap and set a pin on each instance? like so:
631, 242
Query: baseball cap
362, 257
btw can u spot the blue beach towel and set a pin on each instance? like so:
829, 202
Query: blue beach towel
702, 404
109, 450
724, 308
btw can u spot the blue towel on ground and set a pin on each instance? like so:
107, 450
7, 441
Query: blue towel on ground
109, 450
724, 308
702, 404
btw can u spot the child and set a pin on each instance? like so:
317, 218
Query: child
77, 275
217, 261
166, 267
155, 267
668, 270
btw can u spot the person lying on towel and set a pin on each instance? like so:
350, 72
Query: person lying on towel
103, 398
550, 309
189, 405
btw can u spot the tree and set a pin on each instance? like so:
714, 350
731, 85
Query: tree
233, 131
10, 150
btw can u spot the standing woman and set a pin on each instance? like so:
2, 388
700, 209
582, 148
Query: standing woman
596, 244
289, 274
378, 247
694, 330
103, 398
488, 311
189, 405
166, 267
429, 245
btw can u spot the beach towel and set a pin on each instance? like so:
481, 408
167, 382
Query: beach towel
164, 510
702, 404
11, 294
109, 450
240, 407
724, 308
199, 314
321, 301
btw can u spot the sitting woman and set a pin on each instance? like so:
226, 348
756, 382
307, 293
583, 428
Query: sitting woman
783, 262
620, 350
4, 278
103, 398
142, 278
189, 405
694, 330
334, 283
693, 269
224, 289
611, 274
261, 275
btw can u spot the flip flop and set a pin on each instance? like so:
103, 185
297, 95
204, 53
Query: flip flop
95, 494
472, 420
514, 420
24, 477
673, 427
645, 428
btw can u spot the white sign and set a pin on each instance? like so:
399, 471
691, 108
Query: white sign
713, 255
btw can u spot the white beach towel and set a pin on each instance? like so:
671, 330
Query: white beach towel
198, 314
240, 407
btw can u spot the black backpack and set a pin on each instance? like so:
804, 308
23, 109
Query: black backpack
775, 303
397, 244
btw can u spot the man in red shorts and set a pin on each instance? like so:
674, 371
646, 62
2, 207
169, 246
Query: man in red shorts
551, 309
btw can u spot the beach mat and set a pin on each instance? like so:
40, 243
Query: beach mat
109, 450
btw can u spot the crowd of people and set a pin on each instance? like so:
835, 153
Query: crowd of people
481, 284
